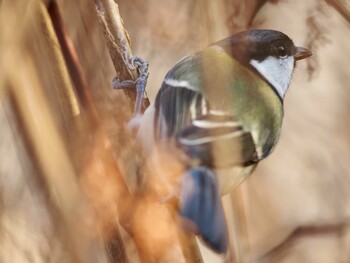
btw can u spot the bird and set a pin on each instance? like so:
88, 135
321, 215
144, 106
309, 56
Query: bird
220, 112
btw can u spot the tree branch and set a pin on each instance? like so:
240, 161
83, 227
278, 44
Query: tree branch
118, 43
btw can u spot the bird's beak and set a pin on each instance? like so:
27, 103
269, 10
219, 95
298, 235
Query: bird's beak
301, 53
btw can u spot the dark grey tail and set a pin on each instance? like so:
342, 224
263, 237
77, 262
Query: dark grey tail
201, 204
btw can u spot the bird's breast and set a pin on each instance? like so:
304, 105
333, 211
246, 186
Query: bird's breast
237, 90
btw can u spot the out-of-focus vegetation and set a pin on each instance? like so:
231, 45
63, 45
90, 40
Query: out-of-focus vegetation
71, 189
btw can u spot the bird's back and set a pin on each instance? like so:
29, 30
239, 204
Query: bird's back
213, 81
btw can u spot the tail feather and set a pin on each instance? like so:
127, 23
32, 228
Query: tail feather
201, 204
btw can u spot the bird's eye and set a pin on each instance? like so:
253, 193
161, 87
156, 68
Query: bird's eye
281, 51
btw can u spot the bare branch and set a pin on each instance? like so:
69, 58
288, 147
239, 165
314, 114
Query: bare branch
118, 43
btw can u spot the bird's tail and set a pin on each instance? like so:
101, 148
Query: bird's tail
200, 204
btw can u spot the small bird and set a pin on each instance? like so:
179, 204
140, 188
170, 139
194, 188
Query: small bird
222, 109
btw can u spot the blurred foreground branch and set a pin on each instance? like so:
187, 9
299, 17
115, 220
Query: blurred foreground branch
114, 243
72, 61
48, 217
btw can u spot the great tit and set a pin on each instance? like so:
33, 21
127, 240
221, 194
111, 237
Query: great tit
222, 108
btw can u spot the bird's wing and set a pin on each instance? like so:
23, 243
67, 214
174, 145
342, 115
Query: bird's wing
209, 137
179, 98
217, 141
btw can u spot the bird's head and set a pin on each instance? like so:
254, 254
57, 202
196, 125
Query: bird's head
270, 53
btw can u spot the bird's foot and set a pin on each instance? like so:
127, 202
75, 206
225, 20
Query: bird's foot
140, 83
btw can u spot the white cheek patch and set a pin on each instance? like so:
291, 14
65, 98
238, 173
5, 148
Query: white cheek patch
277, 71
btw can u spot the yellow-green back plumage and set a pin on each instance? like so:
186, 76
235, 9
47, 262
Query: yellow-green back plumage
228, 87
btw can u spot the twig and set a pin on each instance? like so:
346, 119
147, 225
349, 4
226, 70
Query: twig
303, 232
118, 43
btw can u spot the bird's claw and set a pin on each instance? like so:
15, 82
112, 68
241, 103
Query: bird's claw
140, 83
125, 84
138, 62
